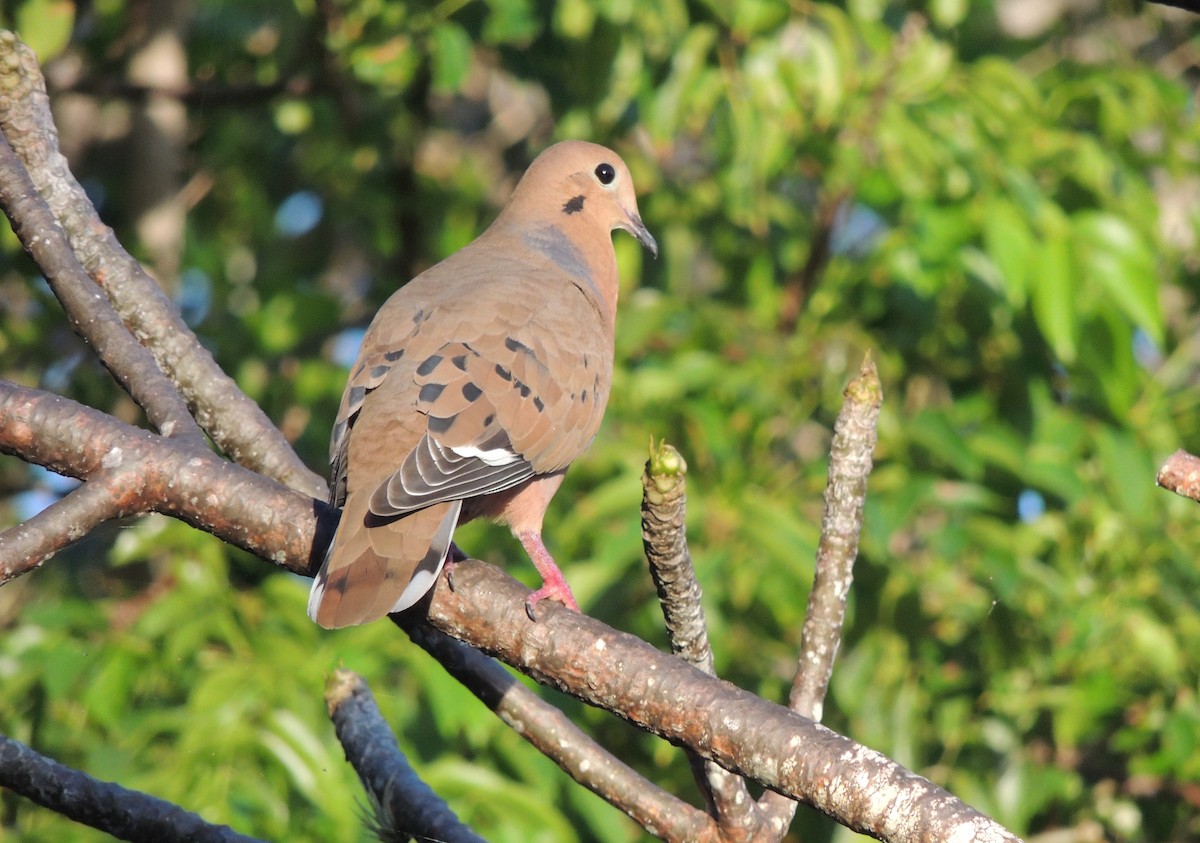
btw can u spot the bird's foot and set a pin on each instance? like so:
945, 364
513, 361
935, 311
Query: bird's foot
550, 590
453, 557
554, 585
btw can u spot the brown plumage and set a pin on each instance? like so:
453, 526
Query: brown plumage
477, 384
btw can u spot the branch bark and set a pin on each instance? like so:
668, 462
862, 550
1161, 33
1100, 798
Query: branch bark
556, 737
85, 305
664, 537
404, 805
1181, 474
661, 694
850, 459
27, 545
145, 472
123, 813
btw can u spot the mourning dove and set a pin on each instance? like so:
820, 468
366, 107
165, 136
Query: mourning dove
478, 383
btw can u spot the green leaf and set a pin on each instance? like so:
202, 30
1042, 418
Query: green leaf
45, 25
1054, 301
1114, 254
1009, 241
451, 54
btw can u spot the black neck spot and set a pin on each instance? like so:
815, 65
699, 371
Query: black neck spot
574, 205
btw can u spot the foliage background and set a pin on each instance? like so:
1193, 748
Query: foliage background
999, 200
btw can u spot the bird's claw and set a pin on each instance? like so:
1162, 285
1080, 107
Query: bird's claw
561, 595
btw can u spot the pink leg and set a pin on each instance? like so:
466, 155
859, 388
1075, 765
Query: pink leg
554, 585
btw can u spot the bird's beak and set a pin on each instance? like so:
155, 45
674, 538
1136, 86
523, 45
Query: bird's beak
638, 229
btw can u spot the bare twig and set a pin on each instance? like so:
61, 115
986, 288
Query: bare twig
91, 315
560, 740
123, 813
664, 537
845, 495
30, 543
1181, 474
405, 805
854, 437
236, 424
145, 472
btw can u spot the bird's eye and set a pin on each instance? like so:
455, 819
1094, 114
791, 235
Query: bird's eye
605, 173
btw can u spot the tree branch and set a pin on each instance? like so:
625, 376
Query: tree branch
785, 752
405, 805
845, 496
664, 537
560, 740
236, 424
89, 311
146, 472
28, 544
1181, 474
123, 813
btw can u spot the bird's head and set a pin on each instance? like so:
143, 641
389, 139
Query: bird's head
577, 180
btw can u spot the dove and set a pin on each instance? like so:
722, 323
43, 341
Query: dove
477, 384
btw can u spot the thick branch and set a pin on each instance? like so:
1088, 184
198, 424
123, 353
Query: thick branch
236, 424
145, 472
1181, 474
91, 315
560, 740
858, 787
123, 813
664, 537
405, 805
854, 439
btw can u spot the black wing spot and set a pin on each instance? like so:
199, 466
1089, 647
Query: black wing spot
393, 356
539, 403
574, 205
525, 390
379, 371
583, 397
460, 362
503, 372
488, 421
471, 392
357, 394
514, 346
431, 391
429, 364
440, 425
